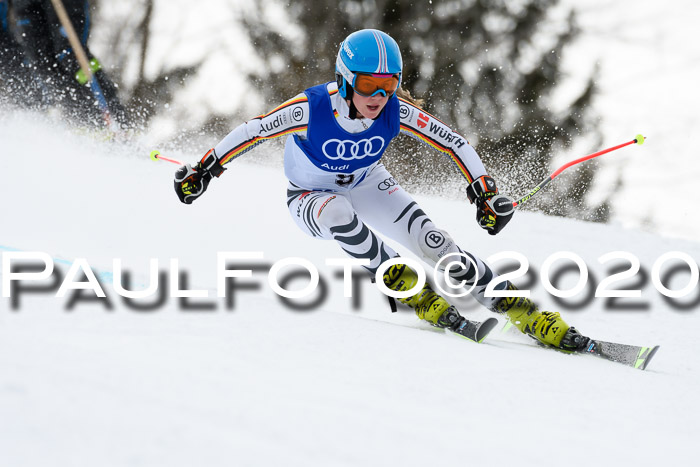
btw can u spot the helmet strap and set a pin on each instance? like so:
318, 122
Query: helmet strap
352, 115
343, 85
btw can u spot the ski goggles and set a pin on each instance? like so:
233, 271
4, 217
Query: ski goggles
368, 85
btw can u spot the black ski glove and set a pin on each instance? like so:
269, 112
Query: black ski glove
493, 211
192, 182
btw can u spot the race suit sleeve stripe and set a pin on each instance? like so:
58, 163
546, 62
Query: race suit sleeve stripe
293, 101
250, 144
290, 117
438, 147
424, 127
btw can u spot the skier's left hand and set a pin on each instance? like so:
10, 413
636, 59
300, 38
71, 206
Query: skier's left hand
493, 211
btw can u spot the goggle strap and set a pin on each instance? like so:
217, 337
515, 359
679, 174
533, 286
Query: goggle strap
345, 71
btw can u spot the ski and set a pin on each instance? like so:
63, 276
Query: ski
474, 330
630, 355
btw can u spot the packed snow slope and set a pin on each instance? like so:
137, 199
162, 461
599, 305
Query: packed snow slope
247, 380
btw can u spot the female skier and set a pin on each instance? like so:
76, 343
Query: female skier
336, 135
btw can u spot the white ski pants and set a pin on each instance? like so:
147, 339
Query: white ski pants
380, 202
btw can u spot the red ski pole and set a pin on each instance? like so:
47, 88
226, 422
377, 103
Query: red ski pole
639, 139
155, 155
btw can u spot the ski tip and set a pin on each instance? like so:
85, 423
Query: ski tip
647, 359
485, 328
475, 331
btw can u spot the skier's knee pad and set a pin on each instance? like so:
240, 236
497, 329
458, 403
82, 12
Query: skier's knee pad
334, 211
435, 243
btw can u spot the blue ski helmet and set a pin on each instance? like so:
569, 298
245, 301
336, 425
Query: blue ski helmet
366, 51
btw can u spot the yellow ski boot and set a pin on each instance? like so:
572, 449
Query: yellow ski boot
428, 305
547, 327
432, 307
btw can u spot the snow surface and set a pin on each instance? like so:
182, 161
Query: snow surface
262, 384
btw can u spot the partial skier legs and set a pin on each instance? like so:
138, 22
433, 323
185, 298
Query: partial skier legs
330, 216
384, 205
381, 202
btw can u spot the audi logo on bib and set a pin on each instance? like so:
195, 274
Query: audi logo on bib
348, 150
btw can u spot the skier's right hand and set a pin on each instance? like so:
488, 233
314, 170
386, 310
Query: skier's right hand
191, 182
493, 211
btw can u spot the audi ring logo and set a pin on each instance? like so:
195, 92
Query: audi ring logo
386, 184
348, 150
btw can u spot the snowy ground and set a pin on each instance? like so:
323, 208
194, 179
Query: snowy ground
261, 384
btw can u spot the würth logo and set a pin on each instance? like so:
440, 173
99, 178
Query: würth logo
422, 120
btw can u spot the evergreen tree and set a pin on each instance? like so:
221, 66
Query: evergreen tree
487, 68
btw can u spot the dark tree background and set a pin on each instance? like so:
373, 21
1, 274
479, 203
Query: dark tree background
487, 68
130, 37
